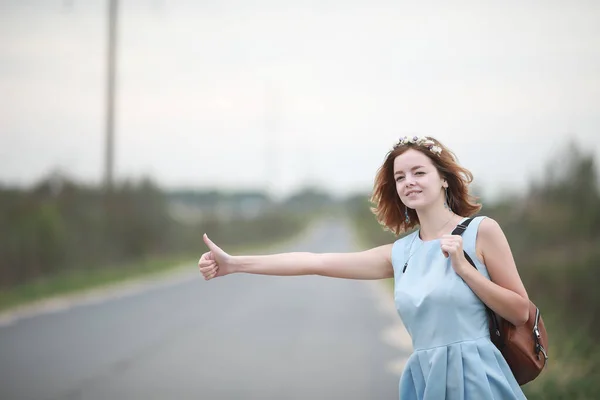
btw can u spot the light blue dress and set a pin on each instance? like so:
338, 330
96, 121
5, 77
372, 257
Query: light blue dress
453, 358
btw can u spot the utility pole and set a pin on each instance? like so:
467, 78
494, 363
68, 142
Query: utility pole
110, 94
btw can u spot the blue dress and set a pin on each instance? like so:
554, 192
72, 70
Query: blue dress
453, 358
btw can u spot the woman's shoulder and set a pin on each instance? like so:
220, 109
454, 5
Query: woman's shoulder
486, 225
489, 229
486, 233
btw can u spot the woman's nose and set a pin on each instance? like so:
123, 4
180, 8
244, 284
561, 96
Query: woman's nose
409, 180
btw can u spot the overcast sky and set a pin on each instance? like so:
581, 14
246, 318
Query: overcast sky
208, 89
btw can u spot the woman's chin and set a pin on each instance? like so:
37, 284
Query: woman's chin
416, 205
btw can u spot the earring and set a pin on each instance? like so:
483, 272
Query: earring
406, 214
447, 200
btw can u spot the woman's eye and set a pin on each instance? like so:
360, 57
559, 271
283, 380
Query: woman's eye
399, 178
420, 173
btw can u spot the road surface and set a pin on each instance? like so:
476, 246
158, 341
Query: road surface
236, 337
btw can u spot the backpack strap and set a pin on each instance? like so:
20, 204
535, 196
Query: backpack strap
459, 230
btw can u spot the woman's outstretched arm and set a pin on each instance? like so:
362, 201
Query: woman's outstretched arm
374, 263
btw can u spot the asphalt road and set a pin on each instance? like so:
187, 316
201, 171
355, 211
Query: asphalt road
236, 337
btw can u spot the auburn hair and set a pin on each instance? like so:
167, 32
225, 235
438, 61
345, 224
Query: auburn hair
389, 209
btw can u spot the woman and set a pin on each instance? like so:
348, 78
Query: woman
438, 294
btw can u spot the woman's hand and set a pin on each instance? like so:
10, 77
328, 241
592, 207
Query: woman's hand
452, 246
215, 262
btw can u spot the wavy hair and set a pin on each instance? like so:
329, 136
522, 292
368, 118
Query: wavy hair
389, 209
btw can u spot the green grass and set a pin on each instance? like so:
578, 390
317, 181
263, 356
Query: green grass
69, 282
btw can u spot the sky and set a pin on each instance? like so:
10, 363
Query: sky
278, 94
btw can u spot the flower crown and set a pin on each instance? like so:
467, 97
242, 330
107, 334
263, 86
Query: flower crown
420, 141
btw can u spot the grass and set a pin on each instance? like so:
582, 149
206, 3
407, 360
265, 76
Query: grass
76, 281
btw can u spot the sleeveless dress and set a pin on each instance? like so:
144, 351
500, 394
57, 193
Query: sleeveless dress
453, 357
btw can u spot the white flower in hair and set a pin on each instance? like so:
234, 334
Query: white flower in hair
436, 149
420, 141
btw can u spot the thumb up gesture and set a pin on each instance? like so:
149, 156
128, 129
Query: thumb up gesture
215, 262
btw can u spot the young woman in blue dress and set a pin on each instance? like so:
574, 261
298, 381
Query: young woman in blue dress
439, 295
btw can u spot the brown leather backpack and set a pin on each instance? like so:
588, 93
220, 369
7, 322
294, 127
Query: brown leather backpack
524, 347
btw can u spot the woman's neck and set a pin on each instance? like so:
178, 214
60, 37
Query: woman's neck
436, 222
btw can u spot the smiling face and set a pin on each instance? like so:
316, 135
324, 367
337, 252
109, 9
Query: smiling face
418, 182
413, 167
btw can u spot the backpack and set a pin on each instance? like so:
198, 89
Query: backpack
524, 347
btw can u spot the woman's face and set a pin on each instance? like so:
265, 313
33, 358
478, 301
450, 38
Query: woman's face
418, 182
